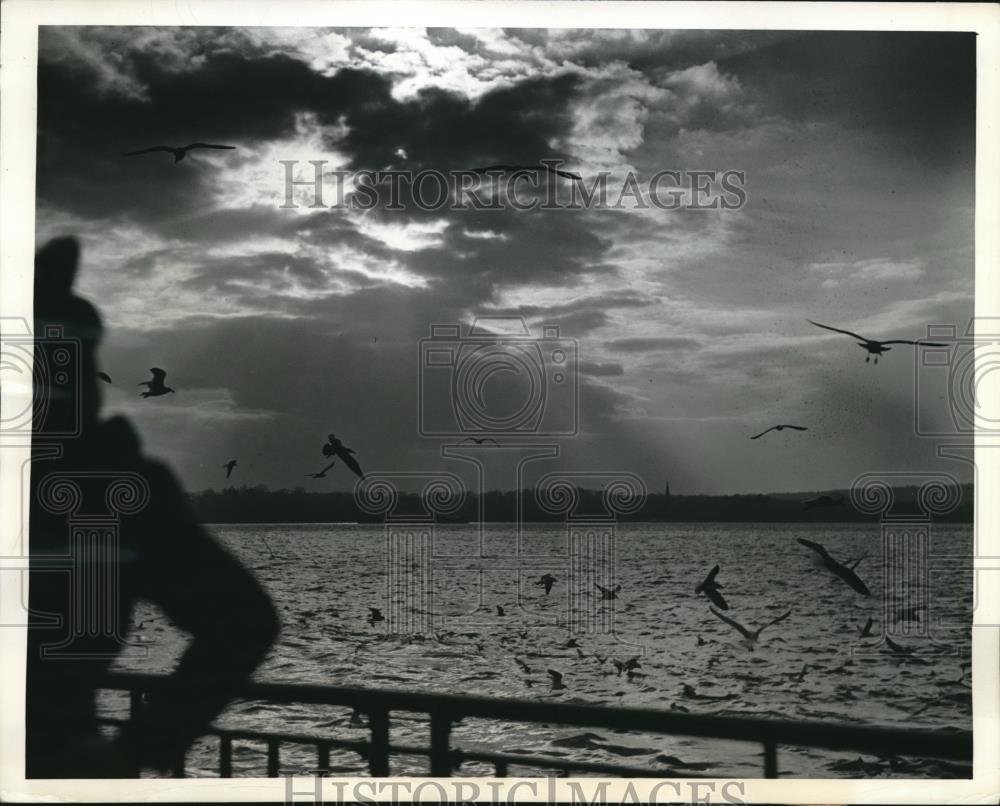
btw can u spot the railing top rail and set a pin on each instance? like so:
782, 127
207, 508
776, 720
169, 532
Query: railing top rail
954, 745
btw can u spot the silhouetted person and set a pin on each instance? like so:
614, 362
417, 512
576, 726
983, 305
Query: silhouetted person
162, 554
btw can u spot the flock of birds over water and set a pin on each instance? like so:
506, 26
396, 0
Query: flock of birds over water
335, 449
711, 589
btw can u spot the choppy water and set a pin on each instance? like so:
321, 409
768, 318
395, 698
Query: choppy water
324, 577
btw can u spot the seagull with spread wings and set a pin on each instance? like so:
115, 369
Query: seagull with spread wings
837, 569
229, 467
750, 637
781, 427
547, 581
155, 387
515, 168
608, 593
875, 348
179, 153
334, 447
711, 589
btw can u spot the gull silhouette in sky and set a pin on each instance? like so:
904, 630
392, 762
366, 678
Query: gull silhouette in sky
875, 348
711, 589
334, 447
229, 467
844, 572
780, 428
179, 153
750, 637
608, 593
155, 386
546, 168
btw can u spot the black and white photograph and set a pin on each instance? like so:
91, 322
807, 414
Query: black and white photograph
598, 401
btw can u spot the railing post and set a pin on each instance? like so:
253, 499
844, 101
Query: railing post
378, 754
501, 769
135, 706
273, 758
323, 757
770, 759
225, 757
440, 744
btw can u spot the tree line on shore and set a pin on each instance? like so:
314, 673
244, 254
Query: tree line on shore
259, 504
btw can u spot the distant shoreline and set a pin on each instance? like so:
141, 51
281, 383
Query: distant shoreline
237, 505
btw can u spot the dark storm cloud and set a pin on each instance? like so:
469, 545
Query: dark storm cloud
917, 87
246, 98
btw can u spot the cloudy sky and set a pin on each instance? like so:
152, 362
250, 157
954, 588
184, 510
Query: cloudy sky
277, 326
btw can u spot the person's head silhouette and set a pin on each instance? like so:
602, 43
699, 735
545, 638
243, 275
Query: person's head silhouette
66, 391
55, 267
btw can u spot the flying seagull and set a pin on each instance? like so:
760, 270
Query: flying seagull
823, 501
608, 593
104, 377
548, 581
866, 631
780, 428
501, 611
874, 348
711, 589
557, 682
480, 441
750, 637
155, 386
229, 467
842, 571
179, 153
374, 614
546, 168
334, 447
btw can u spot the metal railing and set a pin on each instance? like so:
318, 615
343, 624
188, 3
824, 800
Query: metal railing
447, 709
